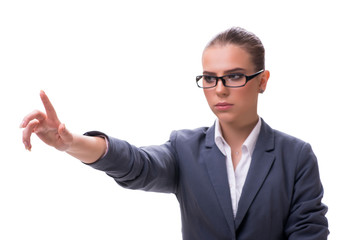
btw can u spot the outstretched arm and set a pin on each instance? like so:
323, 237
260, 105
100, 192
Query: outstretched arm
51, 131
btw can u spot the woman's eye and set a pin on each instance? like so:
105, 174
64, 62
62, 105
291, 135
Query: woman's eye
210, 79
235, 77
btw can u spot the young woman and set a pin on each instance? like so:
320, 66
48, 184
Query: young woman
238, 179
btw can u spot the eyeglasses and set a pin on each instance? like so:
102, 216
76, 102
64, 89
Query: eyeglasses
231, 80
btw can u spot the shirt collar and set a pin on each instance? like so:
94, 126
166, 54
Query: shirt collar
249, 143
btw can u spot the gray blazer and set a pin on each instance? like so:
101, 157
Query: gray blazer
281, 198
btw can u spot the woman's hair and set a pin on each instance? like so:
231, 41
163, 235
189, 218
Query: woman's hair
244, 39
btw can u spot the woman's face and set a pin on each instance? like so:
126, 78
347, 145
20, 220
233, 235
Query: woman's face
232, 105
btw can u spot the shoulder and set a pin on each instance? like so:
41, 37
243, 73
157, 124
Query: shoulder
186, 139
279, 138
189, 134
294, 151
282, 143
290, 153
287, 139
291, 145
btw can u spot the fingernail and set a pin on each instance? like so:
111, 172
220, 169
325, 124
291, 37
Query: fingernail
27, 146
22, 124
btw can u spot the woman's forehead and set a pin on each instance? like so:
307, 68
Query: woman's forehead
223, 57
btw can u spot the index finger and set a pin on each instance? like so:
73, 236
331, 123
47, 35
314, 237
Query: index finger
50, 110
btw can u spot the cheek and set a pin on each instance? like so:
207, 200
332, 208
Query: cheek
242, 94
208, 95
246, 98
250, 91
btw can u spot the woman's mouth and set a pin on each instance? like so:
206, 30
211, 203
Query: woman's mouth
223, 106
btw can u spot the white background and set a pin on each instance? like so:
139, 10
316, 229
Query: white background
127, 68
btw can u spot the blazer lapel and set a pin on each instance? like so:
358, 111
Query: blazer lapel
216, 166
262, 160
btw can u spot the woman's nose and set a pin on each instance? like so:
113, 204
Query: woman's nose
221, 89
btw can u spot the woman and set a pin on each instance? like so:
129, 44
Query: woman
238, 179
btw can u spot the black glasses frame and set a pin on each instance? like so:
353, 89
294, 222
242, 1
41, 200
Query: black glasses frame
247, 79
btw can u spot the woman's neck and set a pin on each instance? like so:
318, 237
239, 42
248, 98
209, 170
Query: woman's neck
235, 134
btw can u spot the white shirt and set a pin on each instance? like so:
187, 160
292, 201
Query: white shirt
237, 178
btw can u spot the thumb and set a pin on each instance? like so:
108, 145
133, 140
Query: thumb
65, 134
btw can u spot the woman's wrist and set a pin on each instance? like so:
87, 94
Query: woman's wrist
87, 149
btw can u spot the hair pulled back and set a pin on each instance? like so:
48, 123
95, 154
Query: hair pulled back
242, 38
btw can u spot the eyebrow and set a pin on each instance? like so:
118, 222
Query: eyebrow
226, 72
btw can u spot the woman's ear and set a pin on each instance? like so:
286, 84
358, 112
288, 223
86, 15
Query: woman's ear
263, 81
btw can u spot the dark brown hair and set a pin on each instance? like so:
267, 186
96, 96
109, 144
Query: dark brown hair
244, 39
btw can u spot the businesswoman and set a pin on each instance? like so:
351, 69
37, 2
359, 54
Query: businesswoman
238, 179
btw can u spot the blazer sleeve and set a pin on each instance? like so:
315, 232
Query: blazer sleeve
152, 168
307, 219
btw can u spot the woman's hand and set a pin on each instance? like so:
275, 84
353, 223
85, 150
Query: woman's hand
47, 127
